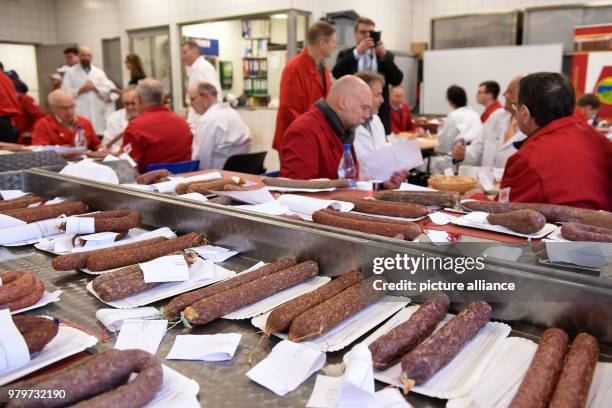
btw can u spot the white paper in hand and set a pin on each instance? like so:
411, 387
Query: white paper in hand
13, 348
171, 268
215, 347
113, 319
141, 334
403, 155
287, 366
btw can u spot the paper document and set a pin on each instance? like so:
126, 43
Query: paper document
403, 155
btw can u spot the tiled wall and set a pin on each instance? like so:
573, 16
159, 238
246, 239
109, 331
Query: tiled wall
27, 21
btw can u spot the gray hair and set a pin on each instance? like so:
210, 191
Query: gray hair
207, 87
151, 90
56, 95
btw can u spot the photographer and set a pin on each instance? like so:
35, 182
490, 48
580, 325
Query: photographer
370, 54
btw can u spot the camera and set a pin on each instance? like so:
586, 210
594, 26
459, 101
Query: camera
375, 35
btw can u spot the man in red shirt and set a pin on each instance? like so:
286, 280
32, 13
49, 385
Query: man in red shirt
9, 107
563, 160
305, 78
157, 135
63, 127
488, 91
30, 113
401, 120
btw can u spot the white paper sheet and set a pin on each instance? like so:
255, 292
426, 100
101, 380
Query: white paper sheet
215, 175
273, 207
47, 297
113, 319
141, 334
80, 225
204, 347
91, 171
10, 194
194, 196
176, 391
13, 348
383, 162
478, 220
298, 190
145, 187
97, 239
169, 186
308, 205
413, 187
258, 196
287, 366
21, 234
438, 237
170, 268
215, 253
6, 221
441, 218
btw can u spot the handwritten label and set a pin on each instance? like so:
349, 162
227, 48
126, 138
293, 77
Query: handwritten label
171, 268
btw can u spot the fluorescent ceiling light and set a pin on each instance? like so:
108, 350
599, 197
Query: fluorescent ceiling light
280, 16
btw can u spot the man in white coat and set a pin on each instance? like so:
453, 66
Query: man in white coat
90, 89
462, 122
119, 119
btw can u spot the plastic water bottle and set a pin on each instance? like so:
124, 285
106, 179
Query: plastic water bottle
347, 169
79, 137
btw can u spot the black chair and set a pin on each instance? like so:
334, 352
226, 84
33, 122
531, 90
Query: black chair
250, 163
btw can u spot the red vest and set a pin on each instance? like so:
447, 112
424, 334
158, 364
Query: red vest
401, 120
492, 108
48, 131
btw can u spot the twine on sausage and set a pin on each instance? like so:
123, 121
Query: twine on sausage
266, 336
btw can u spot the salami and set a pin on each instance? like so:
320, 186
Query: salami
316, 184
280, 319
581, 232
216, 306
20, 202
28, 299
15, 285
390, 208
121, 257
204, 187
99, 381
45, 212
371, 225
152, 177
37, 331
328, 314
389, 348
179, 303
221, 200
113, 221
539, 382
525, 221
427, 198
572, 390
426, 359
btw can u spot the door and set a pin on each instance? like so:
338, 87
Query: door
49, 58
111, 54
153, 48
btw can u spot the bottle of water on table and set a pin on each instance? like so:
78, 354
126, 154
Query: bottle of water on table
79, 137
347, 169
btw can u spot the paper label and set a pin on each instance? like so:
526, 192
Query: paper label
125, 156
449, 171
195, 197
215, 253
10, 194
8, 221
171, 268
99, 238
80, 225
504, 195
141, 334
113, 318
202, 269
216, 347
13, 348
440, 218
486, 180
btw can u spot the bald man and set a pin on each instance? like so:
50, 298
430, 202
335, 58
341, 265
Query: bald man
313, 144
90, 89
63, 127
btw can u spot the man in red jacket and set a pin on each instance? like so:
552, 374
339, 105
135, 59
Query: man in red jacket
401, 120
9, 107
157, 135
305, 79
563, 160
30, 113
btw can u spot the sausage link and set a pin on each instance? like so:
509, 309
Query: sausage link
216, 306
280, 319
204, 187
371, 225
28, 299
20, 202
15, 285
539, 382
389, 208
426, 359
525, 221
179, 303
114, 220
389, 348
123, 257
221, 200
427, 198
581, 232
45, 212
327, 315
37, 331
152, 177
291, 183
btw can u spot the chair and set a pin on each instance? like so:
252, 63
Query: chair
250, 163
176, 167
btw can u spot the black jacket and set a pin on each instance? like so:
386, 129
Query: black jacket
346, 64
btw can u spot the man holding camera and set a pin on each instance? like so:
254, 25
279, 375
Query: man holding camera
370, 54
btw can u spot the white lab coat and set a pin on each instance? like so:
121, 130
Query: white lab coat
89, 104
115, 124
461, 123
369, 137
489, 148
220, 133
201, 70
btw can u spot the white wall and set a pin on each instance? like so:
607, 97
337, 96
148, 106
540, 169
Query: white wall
27, 21
22, 59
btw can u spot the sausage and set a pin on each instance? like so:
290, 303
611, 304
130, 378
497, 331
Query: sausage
37, 331
581, 232
152, 177
371, 225
115, 220
426, 359
15, 285
389, 208
328, 314
539, 382
45, 212
20, 202
179, 303
78, 260
389, 348
427, 198
203, 187
572, 389
216, 306
120, 257
221, 200
27, 299
99, 381
552, 212
280, 319
290, 183
525, 221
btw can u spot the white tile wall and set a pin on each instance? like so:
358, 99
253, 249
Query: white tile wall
28, 21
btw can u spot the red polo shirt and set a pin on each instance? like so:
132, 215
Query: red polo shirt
157, 135
492, 108
48, 131
401, 120
566, 162
8, 97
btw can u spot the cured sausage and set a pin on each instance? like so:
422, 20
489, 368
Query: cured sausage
291, 183
427, 198
389, 348
115, 220
45, 212
539, 382
221, 200
78, 260
152, 177
328, 314
15, 285
280, 319
37, 331
33, 296
20, 202
572, 390
389, 208
125, 256
203, 187
426, 359
216, 306
371, 225
99, 381
581, 232
525, 221
179, 303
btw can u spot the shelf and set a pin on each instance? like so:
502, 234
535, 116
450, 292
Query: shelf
255, 58
255, 77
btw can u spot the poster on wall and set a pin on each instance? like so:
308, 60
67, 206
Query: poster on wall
592, 65
226, 73
208, 46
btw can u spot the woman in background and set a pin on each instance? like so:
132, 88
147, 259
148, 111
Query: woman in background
133, 64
